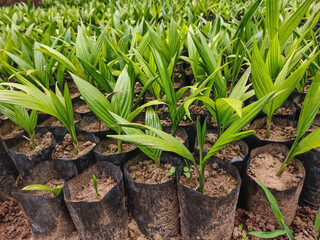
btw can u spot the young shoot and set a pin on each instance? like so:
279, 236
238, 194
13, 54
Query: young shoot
56, 191
167, 142
21, 117
95, 185
309, 111
41, 99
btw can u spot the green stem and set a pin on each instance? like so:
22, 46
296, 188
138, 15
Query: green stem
76, 147
201, 177
173, 130
119, 146
219, 130
268, 126
287, 160
157, 162
32, 139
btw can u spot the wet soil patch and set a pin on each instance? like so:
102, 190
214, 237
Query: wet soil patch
13, 224
229, 152
42, 142
218, 182
52, 121
147, 172
81, 107
265, 165
284, 112
9, 129
74, 92
280, 130
86, 192
93, 124
66, 149
112, 148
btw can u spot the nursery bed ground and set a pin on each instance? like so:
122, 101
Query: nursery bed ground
13, 225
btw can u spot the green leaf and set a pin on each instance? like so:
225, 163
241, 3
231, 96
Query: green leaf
316, 225
272, 234
152, 119
274, 57
57, 56
288, 25
56, 191
310, 107
261, 79
246, 18
95, 185
121, 101
307, 143
165, 141
272, 17
273, 204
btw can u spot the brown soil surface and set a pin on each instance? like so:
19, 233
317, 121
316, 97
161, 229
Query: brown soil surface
277, 132
81, 107
43, 142
302, 226
54, 122
184, 122
306, 88
66, 148
284, 112
176, 85
51, 121
13, 224
113, 148
95, 126
51, 184
265, 166
87, 192
138, 87
147, 172
227, 153
74, 92
218, 182
9, 130
213, 122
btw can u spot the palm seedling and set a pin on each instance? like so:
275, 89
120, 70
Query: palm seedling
121, 103
56, 190
41, 99
95, 186
167, 142
277, 72
309, 110
21, 117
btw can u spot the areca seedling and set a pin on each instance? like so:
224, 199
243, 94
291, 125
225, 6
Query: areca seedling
56, 191
263, 82
95, 186
222, 109
121, 103
270, 70
43, 100
167, 142
309, 110
21, 117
